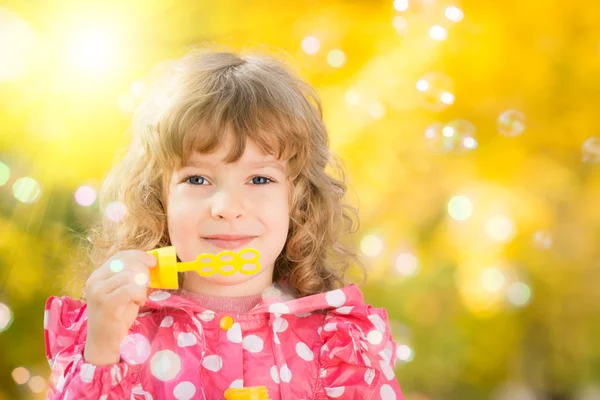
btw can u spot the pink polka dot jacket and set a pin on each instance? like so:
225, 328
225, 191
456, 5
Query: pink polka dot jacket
176, 349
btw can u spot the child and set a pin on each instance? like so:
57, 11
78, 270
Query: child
228, 152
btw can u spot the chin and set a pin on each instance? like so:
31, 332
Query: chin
232, 280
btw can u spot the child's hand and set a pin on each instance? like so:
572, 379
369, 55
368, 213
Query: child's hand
115, 292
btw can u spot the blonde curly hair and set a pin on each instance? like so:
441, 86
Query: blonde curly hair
255, 97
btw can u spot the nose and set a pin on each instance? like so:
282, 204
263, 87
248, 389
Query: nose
227, 204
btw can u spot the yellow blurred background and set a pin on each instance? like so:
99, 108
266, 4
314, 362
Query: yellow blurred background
469, 130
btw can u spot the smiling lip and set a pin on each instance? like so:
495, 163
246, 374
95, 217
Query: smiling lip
229, 242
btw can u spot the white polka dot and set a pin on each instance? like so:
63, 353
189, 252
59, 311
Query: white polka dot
285, 374
276, 338
143, 314
103, 397
66, 396
46, 319
167, 322
304, 352
213, 363
159, 295
319, 330
279, 308
275, 374
165, 365
253, 343
115, 373
186, 339
198, 324
207, 315
369, 375
234, 334
237, 384
386, 392
324, 348
86, 373
378, 322
303, 315
345, 310
184, 390
330, 327
323, 373
335, 298
335, 392
280, 325
61, 383
374, 337
387, 370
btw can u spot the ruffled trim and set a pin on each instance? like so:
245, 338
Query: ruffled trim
65, 330
357, 349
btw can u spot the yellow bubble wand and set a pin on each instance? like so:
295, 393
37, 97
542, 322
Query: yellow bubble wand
164, 274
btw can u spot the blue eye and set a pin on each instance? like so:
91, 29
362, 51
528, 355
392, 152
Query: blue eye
262, 177
192, 177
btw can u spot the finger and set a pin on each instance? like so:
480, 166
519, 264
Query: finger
128, 293
113, 282
115, 266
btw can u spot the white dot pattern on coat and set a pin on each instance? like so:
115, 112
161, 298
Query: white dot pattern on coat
237, 384
275, 374
335, 298
213, 363
234, 334
304, 352
285, 374
86, 372
386, 392
184, 390
279, 308
165, 365
378, 322
186, 339
369, 376
335, 392
253, 343
167, 322
159, 295
280, 325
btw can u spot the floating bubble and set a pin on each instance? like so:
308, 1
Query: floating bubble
492, 279
371, 245
406, 264
460, 208
590, 150
401, 5
85, 196
336, 58
311, 45
115, 211
37, 384
511, 123
116, 266
135, 349
454, 14
436, 91
542, 239
4, 173
374, 337
404, 353
438, 32
20, 375
141, 279
165, 365
400, 24
6, 317
519, 294
456, 136
376, 110
500, 228
352, 97
27, 190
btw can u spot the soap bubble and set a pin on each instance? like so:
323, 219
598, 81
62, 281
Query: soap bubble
511, 123
590, 150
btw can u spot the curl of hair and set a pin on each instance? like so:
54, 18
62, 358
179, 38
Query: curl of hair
194, 102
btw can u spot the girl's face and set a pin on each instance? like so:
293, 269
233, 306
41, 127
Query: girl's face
248, 198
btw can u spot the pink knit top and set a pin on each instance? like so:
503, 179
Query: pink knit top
238, 305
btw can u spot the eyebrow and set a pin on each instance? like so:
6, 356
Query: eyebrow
251, 164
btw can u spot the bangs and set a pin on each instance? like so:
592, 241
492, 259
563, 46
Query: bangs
242, 102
